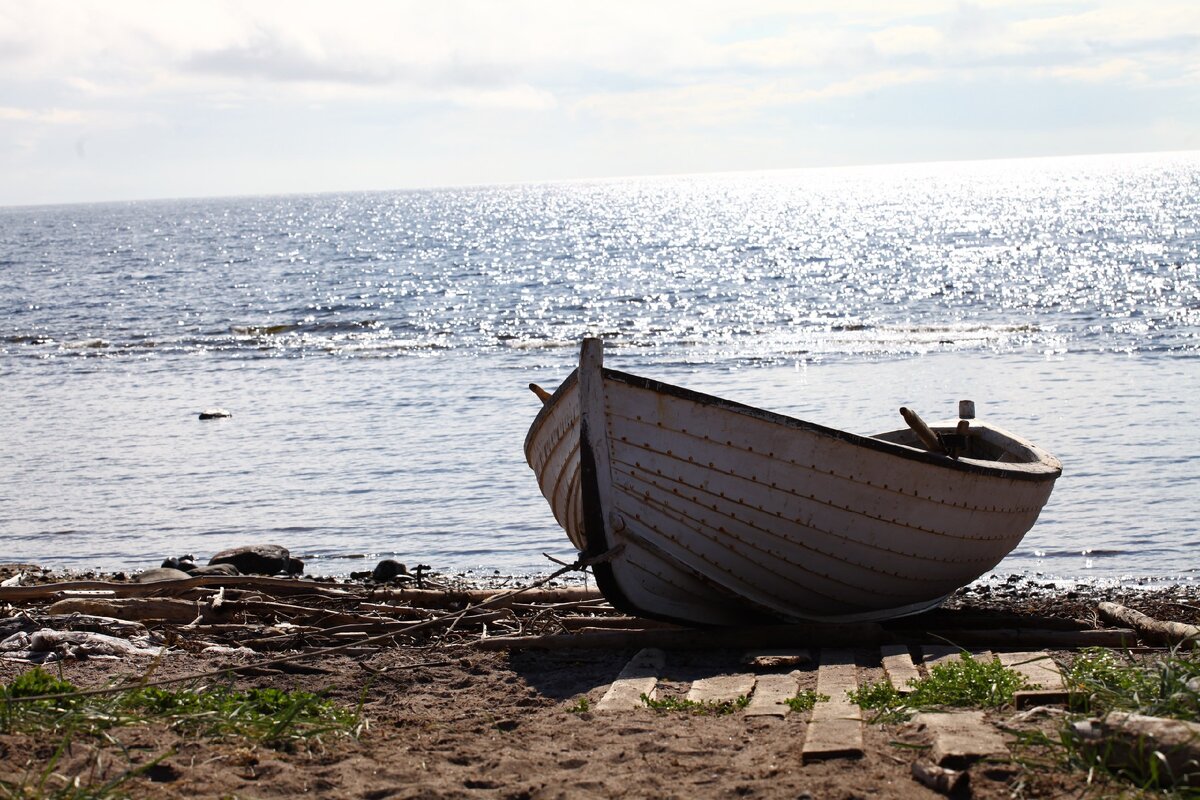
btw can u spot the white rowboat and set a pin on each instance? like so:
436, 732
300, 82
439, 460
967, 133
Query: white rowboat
716, 513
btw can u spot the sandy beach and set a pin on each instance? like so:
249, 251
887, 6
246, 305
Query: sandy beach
447, 718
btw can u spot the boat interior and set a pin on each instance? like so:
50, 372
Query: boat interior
978, 443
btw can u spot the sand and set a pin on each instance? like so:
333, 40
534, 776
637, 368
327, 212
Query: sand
469, 723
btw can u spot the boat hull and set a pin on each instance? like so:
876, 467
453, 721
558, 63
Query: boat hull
719, 513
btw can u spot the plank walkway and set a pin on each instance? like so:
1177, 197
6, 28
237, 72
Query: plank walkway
835, 728
721, 688
640, 676
771, 693
899, 667
1037, 668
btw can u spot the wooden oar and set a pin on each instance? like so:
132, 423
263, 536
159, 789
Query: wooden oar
542, 394
924, 432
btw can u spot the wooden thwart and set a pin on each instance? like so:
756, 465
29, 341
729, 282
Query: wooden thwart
836, 727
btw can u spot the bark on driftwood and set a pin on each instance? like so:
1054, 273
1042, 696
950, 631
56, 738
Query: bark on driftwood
1150, 629
453, 598
754, 636
811, 635
1023, 637
1163, 752
146, 608
273, 586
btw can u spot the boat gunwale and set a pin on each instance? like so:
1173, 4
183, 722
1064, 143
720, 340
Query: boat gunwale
546, 410
1046, 468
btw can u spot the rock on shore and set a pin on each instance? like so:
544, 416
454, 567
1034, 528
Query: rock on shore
260, 559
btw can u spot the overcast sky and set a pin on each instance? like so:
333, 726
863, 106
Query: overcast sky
120, 99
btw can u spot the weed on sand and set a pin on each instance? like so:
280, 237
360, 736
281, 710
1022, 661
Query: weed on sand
702, 708
41, 705
965, 683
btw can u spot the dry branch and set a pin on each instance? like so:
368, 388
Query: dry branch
1017, 637
453, 598
863, 634
688, 638
275, 586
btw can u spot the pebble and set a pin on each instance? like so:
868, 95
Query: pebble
213, 569
186, 563
160, 574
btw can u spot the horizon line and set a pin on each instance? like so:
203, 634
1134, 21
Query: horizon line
600, 179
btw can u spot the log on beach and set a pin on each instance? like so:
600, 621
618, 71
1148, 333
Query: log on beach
1152, 630
811, 635
1161, 752
456, 598
56, 591
690, 638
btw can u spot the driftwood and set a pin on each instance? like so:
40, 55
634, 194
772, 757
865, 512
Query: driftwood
1150, 629
1018, 637
864, 633
27, 622
291, 611
147, 608
51, 645
943, 618
55, 591
577, 623
941, 780
810, 635
1165, 752
455, 598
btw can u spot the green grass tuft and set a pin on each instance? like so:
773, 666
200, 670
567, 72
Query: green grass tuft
715, 708
1101, 681
966, 683
805, 699
271, 717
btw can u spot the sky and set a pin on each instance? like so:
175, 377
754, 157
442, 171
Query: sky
124, 99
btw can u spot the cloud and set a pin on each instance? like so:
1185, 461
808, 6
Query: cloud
52, 116
522, 49
1106, 71
719, 103
587, 76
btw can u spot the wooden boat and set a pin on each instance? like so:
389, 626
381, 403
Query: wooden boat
706, 511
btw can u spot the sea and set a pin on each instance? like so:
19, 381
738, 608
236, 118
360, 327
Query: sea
374, 350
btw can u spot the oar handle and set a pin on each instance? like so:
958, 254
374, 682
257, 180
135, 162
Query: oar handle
923, 431
542, 394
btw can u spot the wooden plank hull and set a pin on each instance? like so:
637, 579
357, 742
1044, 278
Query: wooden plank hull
728, 513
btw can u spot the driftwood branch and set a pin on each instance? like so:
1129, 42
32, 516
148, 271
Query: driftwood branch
1164, 751
1150, 629
453, 598
274, 586
1014, 637
811, 635
689, 638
